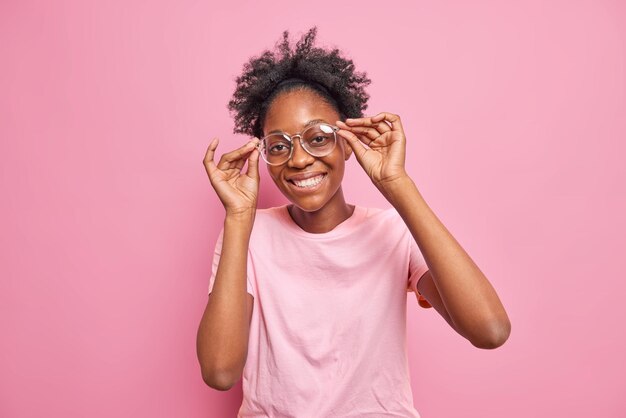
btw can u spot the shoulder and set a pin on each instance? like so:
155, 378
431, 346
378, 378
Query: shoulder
389, 221
385, 221
269, 213
270, 219
382, 214
272, 216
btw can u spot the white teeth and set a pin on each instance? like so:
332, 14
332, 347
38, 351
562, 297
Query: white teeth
313, 181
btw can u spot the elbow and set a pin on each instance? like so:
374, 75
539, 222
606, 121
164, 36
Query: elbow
219, 380
494, 336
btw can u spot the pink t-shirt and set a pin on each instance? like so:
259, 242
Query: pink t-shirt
328, 330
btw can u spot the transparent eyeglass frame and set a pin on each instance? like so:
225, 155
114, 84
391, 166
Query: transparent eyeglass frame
300, 136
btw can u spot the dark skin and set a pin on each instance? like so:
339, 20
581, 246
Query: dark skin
321, 210
454, 285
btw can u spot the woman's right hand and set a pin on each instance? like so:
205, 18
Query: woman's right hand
238, 191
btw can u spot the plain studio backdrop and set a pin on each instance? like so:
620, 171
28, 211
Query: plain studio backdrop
515, 120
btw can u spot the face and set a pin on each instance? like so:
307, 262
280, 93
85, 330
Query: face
290, 113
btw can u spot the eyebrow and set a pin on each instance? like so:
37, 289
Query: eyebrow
306, 125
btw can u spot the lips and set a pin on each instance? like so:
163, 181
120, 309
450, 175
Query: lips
309, 182
303, 176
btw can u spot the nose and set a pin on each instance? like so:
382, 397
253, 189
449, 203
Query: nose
300, 158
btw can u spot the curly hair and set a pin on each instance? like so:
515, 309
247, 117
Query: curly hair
319, 70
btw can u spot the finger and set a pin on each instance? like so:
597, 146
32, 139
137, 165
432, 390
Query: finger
208, 162
381, 127
236, 158
354, 142
253, 165
239, 152
370, 133
364, 139
245, 157
393, 119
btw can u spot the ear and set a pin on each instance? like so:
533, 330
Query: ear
347, 149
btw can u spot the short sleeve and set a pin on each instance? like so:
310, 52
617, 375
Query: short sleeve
417, 268
216, 260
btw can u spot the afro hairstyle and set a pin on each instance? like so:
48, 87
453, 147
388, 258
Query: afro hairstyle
323, 71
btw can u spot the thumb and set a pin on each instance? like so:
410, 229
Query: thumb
354, 142
253, 165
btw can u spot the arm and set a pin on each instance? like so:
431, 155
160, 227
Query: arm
474, 309
459, 290
222, 340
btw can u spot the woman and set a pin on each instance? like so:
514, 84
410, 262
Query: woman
308, 300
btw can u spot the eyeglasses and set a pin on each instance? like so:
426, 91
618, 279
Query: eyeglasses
318, 140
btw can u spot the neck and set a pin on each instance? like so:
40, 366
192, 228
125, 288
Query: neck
324, 219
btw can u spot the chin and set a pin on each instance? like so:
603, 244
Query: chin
308, 207
311, 200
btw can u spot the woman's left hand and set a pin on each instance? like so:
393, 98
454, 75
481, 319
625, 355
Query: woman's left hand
384, 160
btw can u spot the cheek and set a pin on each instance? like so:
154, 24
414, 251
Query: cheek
339, 166
275, 175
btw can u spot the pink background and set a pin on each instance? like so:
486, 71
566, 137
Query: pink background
515, 120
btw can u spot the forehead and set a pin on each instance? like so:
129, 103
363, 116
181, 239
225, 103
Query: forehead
294, 111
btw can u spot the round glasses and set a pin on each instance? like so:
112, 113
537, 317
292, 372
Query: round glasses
318, 140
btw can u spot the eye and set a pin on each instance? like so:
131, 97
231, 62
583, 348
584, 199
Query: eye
278, 148
319, 140
277, 144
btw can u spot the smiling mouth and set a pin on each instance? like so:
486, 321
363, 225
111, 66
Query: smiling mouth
308, 183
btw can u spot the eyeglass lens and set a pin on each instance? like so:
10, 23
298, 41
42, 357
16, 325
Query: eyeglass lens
318, 140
